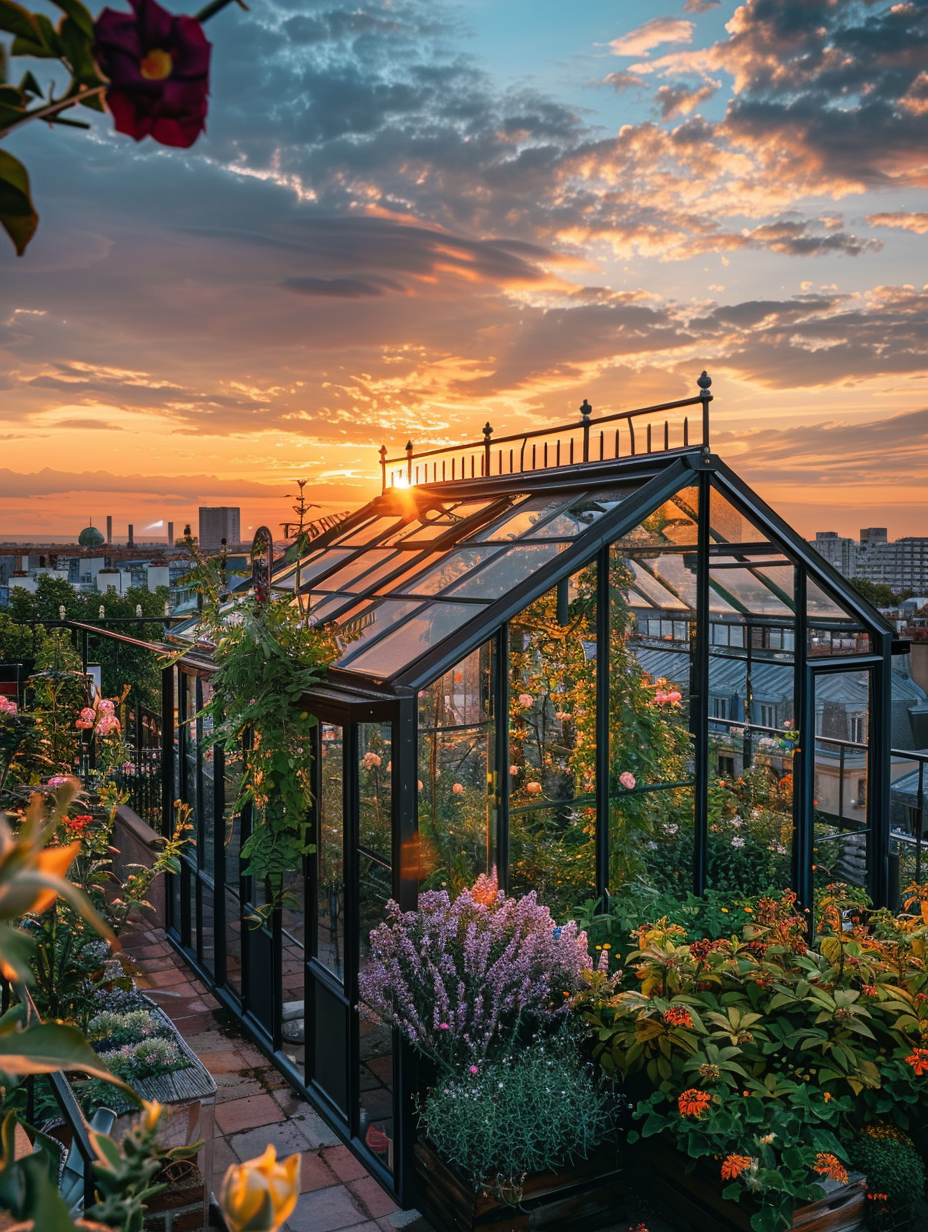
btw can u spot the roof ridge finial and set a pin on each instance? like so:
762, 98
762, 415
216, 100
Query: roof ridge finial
704, 382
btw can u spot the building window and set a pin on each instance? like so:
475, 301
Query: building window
766, 715
719, 707
726, 767
861, 793
857, 727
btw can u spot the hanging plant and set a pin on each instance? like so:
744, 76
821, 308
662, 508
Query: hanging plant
266, 660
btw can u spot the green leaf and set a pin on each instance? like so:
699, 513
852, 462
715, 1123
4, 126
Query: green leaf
78, 14
29, 85
17, 215
14, 19
16, 947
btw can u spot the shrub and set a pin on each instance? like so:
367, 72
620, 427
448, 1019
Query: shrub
463, 979
765, 1047
891, 1164
529, 1112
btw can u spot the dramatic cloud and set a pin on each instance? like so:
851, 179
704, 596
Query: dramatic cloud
917, 223
375, 238
652, 34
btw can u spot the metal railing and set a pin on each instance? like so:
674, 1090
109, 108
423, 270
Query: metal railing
565, 445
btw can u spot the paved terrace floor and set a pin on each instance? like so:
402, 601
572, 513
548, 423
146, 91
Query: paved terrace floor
255, 1105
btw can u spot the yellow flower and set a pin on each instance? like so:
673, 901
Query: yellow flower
151, 1114
258, 1195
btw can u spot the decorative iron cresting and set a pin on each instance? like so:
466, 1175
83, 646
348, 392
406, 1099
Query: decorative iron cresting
631, 434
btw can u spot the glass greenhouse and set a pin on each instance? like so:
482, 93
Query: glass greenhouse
580, 658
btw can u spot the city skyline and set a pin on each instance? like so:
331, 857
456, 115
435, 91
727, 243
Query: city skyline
409, 218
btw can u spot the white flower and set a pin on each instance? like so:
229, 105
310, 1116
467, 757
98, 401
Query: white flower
737, 822
737, 841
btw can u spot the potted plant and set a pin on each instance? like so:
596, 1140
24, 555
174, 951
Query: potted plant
516, 1132
761, 1054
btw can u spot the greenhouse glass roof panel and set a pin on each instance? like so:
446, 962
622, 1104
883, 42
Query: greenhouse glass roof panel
505, 571
451, 567
406, 641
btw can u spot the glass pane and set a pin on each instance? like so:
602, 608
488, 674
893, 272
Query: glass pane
208, 802
552, 743
191, 747
312, 568
207, 928
330, 876
371, 621
368, 532
457, 797
375, 1046
233, 927
506, 571
729, 525
451, 566
417, 564
355, 568
674, 522
842, 737
650, 747
375, 788
293, 968
831, 630
430, 625
651, 838
759, 589
524, 519
390, 563
645, 586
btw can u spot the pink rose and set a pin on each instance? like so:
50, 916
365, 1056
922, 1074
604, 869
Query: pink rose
674, 696
627, 779
6, 706
458, 789
526, 699
513, 769
105, 706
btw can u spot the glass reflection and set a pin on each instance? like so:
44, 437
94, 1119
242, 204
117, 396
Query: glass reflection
330, 874
375, 770
841, 784
375, 1042
457, 801
552, 743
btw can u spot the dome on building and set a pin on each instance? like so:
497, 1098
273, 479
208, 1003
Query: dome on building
90, 537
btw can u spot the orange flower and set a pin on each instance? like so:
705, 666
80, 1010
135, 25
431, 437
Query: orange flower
693, 1102
918, 1060
832, 1167
734, 1165
678, 1016
869, 990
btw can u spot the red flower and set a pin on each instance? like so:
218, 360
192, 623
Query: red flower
158, 70
734, 1165
830, 1166
918, 1059
693, 1102
678, 1016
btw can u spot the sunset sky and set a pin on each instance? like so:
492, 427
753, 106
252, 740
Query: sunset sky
408, 217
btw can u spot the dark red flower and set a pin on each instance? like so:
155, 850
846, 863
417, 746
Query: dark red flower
158, 70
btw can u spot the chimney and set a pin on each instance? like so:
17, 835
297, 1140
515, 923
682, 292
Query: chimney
131, 540
109, 529
170, 534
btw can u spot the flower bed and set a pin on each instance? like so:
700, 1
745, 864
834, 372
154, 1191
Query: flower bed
766, 1052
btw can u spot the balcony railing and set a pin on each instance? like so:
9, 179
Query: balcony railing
629, 434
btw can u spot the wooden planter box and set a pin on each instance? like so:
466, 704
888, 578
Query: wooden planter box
182, 1207
576, 1199
658, 1169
